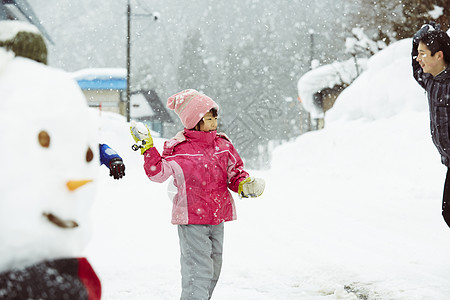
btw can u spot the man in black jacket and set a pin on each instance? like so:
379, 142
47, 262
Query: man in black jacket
430, 62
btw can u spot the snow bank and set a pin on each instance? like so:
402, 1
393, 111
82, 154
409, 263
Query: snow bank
385, 89
5, 57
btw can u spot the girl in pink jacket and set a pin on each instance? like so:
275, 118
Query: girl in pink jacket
204, 166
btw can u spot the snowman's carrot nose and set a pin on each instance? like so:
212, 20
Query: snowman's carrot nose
72, 185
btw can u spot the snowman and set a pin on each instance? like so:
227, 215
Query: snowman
50, 160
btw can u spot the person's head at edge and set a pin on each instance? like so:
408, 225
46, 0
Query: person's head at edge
434, 52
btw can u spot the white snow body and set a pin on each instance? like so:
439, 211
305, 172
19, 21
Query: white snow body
36, 98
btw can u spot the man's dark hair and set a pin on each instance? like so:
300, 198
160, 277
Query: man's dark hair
437, 40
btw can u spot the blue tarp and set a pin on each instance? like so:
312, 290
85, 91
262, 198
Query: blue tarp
102, 84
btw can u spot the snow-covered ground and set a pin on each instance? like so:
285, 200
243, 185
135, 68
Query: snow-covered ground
349, 212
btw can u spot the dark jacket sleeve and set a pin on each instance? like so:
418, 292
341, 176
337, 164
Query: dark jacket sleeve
107, 154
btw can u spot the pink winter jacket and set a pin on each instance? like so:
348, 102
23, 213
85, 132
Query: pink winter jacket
204, 166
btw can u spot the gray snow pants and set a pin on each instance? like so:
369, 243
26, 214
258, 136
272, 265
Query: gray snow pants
201, 259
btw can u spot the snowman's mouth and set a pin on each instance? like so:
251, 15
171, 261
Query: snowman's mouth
67, 224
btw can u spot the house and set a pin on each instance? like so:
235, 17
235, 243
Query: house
20, 10
319, 88
104, 88
146, 107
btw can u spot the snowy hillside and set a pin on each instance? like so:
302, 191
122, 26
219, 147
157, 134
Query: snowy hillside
349, 212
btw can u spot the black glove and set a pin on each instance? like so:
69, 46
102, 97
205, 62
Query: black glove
424, 29
116, 168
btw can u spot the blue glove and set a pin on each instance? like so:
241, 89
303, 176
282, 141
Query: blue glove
424, 29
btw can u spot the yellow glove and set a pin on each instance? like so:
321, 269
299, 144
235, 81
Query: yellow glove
251, 187
142, 137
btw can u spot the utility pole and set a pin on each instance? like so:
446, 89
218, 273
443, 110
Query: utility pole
128, 60
155, 18
311, 49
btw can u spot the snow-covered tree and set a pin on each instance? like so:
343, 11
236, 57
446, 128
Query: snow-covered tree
388, 21
419, 12
360, 44
377, 18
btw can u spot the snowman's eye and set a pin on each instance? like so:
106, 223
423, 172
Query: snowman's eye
44, 139
89, 155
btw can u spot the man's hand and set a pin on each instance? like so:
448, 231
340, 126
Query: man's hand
424, 29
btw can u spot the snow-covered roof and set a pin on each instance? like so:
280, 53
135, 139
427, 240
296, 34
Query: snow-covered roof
101, 78
140, 107
327, 76
100, 73
146, 105
20, 10
9, 29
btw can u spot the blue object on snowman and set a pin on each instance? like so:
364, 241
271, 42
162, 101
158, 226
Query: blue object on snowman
50, 164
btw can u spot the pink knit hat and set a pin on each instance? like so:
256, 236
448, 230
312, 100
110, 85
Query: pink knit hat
190, 106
